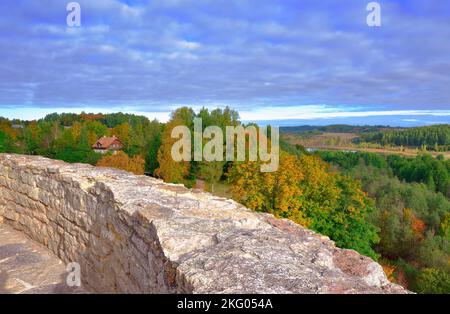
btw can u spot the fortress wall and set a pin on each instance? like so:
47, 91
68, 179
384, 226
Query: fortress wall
138, 234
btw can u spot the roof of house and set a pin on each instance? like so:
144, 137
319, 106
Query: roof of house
105, 142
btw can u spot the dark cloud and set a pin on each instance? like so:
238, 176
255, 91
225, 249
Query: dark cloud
154, 55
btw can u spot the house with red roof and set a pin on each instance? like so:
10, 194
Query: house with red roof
107, 144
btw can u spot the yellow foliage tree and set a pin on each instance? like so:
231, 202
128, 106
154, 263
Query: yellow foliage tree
76, 131
120, 160
122, 131
275, 192
169, 169
306, 191
445, 226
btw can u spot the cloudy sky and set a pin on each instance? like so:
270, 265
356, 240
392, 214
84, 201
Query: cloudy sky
294, 60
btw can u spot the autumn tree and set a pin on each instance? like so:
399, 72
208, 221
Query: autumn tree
306, 191
337, 207
122, 131
120, 160
274, 192
169, 169
76, 130
445, 225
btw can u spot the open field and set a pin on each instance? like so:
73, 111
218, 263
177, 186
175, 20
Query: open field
343, 141
315, 140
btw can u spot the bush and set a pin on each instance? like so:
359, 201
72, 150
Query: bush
431, 280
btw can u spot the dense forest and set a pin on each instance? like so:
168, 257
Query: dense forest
412, 213
393, 209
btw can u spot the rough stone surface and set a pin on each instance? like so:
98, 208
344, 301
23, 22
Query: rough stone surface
140, 235
29, 267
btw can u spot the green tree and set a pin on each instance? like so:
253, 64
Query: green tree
433, 281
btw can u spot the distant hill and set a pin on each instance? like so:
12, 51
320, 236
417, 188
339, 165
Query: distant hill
337, 128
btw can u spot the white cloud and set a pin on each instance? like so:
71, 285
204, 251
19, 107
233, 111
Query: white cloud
190, 45
325, 112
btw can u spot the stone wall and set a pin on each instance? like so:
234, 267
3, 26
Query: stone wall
136, 234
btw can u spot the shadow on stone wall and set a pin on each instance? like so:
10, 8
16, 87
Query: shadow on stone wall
3, 280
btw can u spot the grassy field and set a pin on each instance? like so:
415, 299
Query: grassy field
323, 139
221, 189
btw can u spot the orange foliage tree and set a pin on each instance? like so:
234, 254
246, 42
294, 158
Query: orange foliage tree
90, 116
389, 270
120, 160
417, 225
